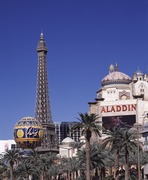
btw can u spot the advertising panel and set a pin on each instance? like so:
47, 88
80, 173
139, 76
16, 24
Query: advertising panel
110, 122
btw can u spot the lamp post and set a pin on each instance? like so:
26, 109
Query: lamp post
138, 127
145, 136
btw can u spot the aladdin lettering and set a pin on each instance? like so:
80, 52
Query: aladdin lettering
118, 108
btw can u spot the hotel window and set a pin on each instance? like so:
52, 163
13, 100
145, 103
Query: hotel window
142, 90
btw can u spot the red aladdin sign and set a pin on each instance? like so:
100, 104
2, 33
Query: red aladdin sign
118, 108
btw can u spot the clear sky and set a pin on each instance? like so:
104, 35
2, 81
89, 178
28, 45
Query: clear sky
83, 38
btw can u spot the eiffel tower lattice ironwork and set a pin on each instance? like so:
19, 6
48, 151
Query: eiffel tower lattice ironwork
42, 109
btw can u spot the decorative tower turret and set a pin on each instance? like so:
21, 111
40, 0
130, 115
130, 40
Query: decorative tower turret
42, 109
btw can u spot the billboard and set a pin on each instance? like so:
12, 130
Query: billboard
110, 122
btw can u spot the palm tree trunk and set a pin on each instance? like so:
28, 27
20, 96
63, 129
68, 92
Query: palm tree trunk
116, 173
44, 175
41, 176
29, 177
11, 172
126, 166
110, 170
87, 159
76, 173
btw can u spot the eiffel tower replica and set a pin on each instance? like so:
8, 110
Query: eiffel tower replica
42, 108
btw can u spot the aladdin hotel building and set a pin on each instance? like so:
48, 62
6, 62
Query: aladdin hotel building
121, 100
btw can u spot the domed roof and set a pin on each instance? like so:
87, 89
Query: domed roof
68, 140
116, 77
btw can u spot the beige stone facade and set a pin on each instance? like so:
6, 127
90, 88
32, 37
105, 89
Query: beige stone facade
121, 100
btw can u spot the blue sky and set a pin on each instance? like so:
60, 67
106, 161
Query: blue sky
83, 38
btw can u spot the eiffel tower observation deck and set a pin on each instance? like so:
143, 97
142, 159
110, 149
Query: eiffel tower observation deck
42, 109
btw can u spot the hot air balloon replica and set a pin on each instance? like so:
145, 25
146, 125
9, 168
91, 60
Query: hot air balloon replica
28, 133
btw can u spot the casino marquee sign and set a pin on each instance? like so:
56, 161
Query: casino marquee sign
118, 108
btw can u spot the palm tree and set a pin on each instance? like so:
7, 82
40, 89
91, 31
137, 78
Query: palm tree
128, 146
97, 158
77, 146
88, 123
81, 155
74, 165
43, 165
3, 170
54, 171
102, 159
133, 159
33, 156
11, 157
44, 162
109, 162
143, 157
113, 141
26, 170
70, 166
121, 141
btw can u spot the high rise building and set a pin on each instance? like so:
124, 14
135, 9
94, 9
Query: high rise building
64, 129
42, 109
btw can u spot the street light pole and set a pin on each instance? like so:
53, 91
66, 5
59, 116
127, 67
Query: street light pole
138, 126
138, 154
